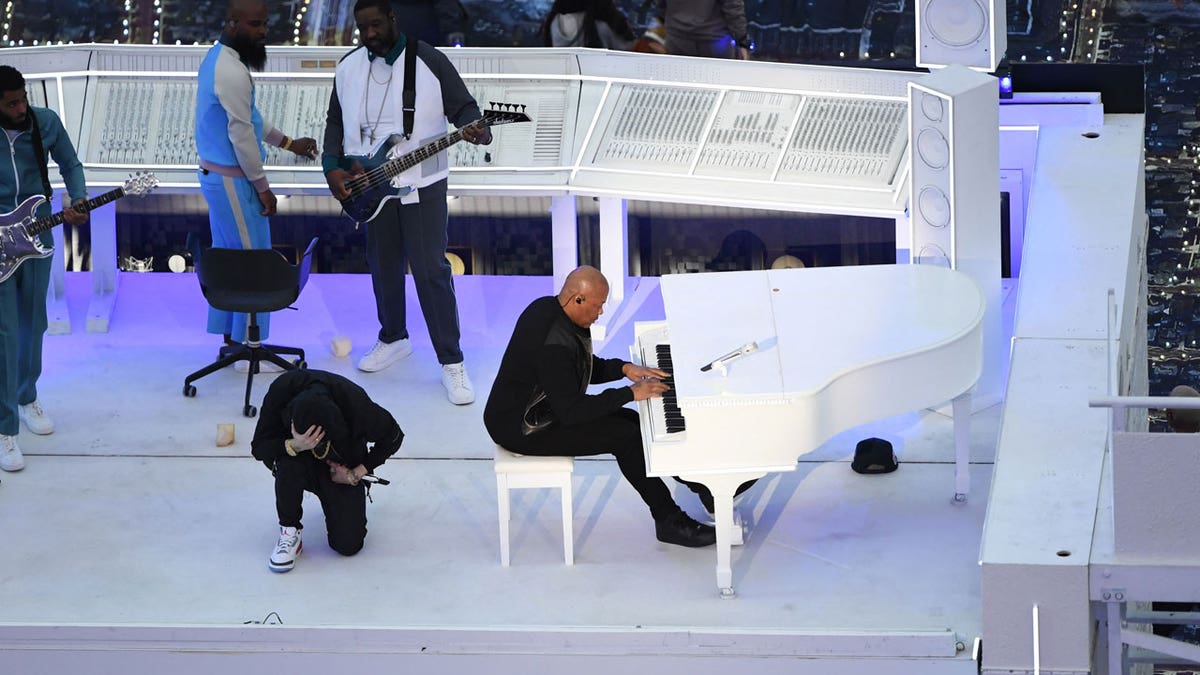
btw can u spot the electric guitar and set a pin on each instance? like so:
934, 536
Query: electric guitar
19, 228
375, 186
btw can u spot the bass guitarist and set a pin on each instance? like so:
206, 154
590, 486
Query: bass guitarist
367, 118
30, 134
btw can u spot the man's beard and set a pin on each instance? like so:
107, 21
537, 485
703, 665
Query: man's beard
251, 53
13, 125
388, 42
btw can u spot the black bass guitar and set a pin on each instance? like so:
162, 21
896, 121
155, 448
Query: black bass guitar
19, 228
372, 188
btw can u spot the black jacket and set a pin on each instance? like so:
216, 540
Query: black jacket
549, 351
366, 421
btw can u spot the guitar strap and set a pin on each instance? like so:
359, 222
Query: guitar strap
409, 96
40, 153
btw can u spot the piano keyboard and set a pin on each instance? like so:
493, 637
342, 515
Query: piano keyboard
665, 419
672, 415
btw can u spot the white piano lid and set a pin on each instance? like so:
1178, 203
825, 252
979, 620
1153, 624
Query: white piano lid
713, 314
869, 313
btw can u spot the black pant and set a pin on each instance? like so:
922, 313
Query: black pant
405, 235
618, 434
705, 494
345, 506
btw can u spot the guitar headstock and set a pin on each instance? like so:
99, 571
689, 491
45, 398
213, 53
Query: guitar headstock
140, 183
503, 113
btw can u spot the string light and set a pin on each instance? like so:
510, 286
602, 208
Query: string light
300, 15
128, 20
157, 22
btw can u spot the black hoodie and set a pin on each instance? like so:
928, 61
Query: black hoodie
362, 420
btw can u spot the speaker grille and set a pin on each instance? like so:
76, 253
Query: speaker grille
932, 254
933, 206
933, 149
969, 33
932, 107
956, 23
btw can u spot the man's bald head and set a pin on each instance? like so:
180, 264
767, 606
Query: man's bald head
246, 31
583, 280
1184, 420
237, 9
583, 295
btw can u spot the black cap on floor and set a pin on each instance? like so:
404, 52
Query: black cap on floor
874, 455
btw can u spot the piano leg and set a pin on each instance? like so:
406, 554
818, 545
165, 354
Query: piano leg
722, 487
723, 503
962, 445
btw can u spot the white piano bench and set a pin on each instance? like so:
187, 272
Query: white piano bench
515, 472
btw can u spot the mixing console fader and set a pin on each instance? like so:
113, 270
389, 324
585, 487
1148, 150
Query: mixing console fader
847, 141
748, 134
655, 127
139, 121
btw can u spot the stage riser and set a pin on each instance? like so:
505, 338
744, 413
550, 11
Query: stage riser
183, 650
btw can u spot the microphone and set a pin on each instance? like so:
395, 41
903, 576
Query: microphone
722, 361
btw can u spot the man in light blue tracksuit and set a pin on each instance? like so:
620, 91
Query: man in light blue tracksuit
28, 132
230, 133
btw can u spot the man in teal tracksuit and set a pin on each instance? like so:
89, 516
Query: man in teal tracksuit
23, 295
230, 133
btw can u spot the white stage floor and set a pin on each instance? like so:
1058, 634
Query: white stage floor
129, 518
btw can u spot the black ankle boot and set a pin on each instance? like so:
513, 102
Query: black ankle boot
680, 529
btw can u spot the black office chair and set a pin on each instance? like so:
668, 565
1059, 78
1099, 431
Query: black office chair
249, 281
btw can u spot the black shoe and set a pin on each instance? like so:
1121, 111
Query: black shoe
681, 530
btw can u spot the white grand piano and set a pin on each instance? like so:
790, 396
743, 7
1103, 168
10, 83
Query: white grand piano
819, 350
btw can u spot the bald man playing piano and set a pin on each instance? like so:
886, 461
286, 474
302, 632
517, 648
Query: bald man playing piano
539, 403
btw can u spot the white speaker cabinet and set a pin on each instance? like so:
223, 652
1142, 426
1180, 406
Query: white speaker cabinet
954, 167
972, 33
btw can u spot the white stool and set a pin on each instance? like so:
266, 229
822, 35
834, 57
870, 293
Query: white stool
515, 471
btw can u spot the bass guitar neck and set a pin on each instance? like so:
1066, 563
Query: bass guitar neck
376, 178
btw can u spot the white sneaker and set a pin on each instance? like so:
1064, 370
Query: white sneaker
287, 550
10, 455
457, 384
36, 419
263, 367
384, 354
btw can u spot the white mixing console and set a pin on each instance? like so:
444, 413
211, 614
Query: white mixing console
608, 125
604, 123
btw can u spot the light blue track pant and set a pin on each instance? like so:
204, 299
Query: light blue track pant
234, 214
